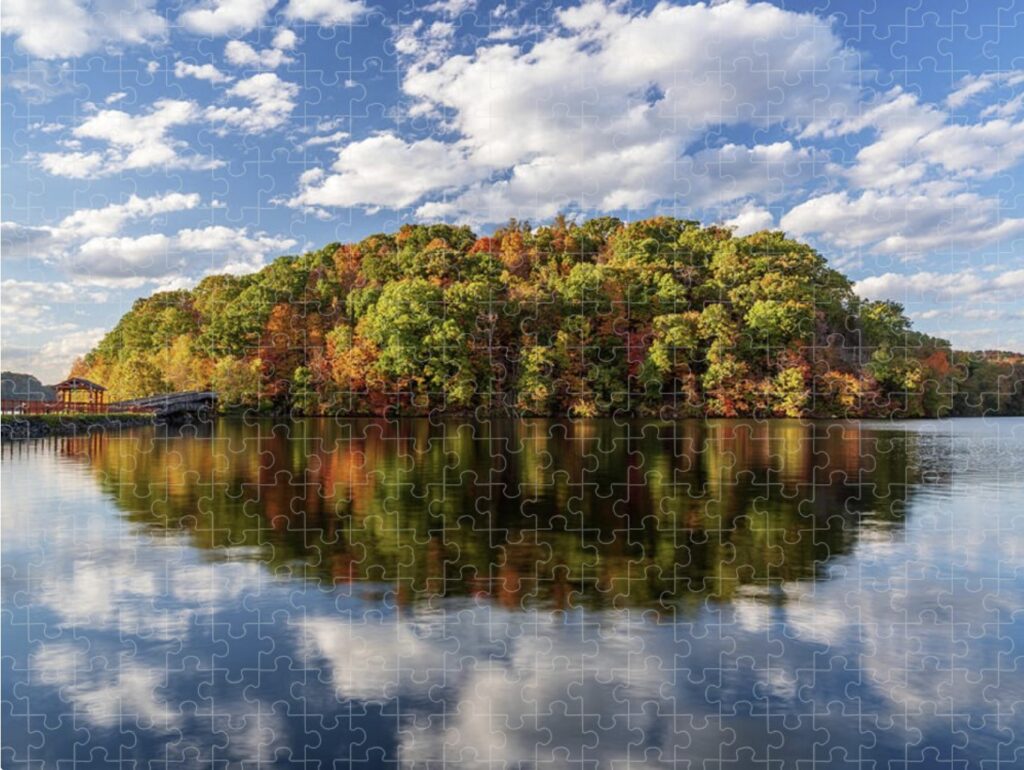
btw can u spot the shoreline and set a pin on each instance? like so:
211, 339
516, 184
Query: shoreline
16, 427
27, 427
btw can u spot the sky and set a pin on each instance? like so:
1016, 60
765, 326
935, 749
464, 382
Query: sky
146, 144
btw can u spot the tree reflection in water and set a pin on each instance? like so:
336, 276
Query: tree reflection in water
538, 593
561, 513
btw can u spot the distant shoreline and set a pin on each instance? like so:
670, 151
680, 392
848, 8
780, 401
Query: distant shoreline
27, 427
15, 427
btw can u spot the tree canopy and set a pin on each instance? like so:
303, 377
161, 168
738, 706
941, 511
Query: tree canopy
656, 317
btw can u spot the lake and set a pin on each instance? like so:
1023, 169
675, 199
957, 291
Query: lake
543, 593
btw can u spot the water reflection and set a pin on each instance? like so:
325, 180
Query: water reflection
514, 595
595, 512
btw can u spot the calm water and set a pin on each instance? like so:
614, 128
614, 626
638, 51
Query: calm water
532, 594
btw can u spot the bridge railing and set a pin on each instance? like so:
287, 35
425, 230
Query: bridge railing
19, 406
154, 404
167, 400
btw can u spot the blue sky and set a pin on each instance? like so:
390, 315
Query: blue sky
147, 144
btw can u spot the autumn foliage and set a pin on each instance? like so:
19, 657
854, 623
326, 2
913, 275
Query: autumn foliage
657, 317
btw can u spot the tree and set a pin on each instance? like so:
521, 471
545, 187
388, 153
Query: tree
658, 316
237, 381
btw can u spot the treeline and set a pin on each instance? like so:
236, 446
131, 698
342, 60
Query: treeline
657, 317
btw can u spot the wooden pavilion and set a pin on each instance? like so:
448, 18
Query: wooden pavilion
66, 395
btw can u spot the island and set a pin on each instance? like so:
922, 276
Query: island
658, 317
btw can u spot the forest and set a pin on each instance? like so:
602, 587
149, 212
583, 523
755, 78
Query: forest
660, 317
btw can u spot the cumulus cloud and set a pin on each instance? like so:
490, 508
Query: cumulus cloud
134, 142
981, 149
928, 286
49, 242
326, 12
533, 139
909, 223
134, 261
285, 40
751, 219
18, 240
91, 245
271, 103
425, 43
916, 142
110, 219
450, 7
141, 141
59, 29
225, 17
385, 170
242, 54
147, 256
200, 72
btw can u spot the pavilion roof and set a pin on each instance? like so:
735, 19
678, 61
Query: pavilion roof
79, 383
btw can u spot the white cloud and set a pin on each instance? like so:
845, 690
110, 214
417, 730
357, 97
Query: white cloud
74, 165
18, 240
285, 40
233, 250
751, 219
51, 359
336, 138
126, 257
134, 142
41, 81
244, 55
385, 170
630, 178
916, 142
134, 261
115, 97
47, 128
928, 286
731, 172
656, 74
1005, 109
598, 114
426, 43
893, 159
85, 223
200, 72
326, 12
67, 28
451, 7
972, 85
50, 243
225, 17
28, 306
981, 149
905, 223
272, 101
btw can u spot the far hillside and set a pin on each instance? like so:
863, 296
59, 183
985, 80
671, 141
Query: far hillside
657, 317
25, 387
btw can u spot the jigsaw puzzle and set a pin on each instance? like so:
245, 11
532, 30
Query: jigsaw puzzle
482, 384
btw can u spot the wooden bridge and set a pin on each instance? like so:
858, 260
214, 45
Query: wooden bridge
197, 403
